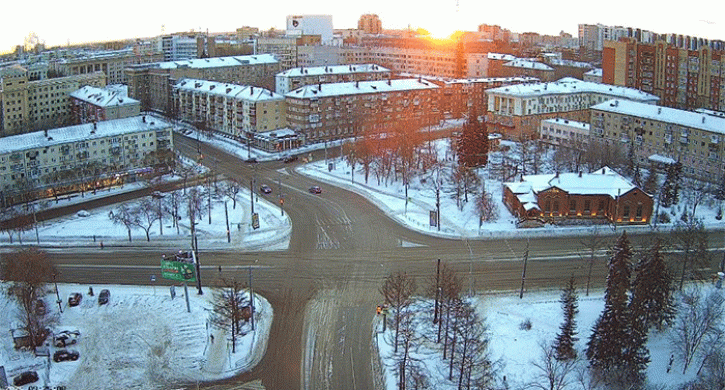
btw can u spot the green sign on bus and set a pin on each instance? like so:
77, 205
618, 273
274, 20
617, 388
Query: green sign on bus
178, 270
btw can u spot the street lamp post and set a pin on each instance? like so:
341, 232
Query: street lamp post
59, 301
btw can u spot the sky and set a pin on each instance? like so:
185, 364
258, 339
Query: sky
78, 21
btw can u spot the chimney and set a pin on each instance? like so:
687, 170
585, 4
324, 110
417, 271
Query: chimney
95, 126
143, 118
357, 84
604, 171
45, 132
580, 173
319, 86
251, 91
557, 175
703, 119
659, 110
389, 82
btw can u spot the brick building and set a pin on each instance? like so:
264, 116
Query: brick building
292, 79
91, 104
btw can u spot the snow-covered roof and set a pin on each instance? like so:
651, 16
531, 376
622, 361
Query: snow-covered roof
102, 97
362, 87
664, 114
249, 93
574, 64
218, 62
567, 122
604, 181
661, 159
594, 72
501, 57
569, 85
527, 64
77, 133
333, 69
718, 114
495, 80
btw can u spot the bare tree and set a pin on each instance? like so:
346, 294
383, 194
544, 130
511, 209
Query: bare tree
592, 243
698, 327
231, 189
122, 215
228, 304
552, 373
144, 215
690, 239
397, 290
698, 190
486, 206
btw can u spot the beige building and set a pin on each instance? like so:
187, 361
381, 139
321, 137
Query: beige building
326, 112
54, 160
516, 111
292, 79
695, 139
564, 132
235, 110
418, 61
35, 105
112, 63
91, 104
370, 23
152, 83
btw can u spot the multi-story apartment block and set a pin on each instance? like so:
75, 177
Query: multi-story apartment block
560, 132
27, 106
687, 78
463, 97
112, 63
283, 48
327, 112
694, 139
527, 68
594, 75
178, 47
419, 61
299, 25
235, 110
152, 83
318, 55
292, 79
45, 159
370, 23
91, 104
487, 64
516, 111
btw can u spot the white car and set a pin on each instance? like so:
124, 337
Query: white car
65, 338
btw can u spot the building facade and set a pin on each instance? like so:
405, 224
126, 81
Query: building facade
235, 110
112, 63
326, 112
687, 77
370, 23
152, 84
516, 111
91, 104
463, 97
419, 61
27, 106
292, 79
71, 156
559, 132
695, 139
562, 198
299, 25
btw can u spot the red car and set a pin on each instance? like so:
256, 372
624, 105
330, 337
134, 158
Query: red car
315, 190
75, 299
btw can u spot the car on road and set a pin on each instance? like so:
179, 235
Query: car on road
75, 299
25, 378
265, 189
251, 160
315, 190
65, 338
65, 355
103, 297
290, 159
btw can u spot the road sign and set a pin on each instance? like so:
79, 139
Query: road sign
433, 218
255, 221
177, 270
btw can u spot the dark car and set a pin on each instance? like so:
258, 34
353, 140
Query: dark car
103, 297
75, 299
290, 159
315, 190
65, 355
265, 189
25, 378
251, 160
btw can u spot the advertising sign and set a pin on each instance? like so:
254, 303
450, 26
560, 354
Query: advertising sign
433, 218
255, 221
177, 270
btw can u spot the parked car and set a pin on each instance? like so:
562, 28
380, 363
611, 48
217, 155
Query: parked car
265, 189
65, 338
75, 299
251, 160
290, 159
315, 190
25, 378
103, 297
65, 355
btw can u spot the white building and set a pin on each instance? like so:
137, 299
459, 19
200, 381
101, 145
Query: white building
564, 132
298, 25
178, 47
594, 75
292, 79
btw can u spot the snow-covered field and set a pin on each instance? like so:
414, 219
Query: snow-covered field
141, 339
516, 349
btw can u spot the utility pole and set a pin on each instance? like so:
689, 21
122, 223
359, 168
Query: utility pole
279, 191
59, 301
251, 192
523, 273
251, 296
438, 274
195, 255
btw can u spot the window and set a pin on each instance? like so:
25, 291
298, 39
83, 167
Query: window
572, 206
556, 207
625, 212
587, 206
601, 206
639, 211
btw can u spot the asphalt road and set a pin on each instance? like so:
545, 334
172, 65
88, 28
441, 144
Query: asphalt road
324, 288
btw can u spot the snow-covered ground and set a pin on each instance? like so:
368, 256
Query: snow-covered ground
141, 339
516, 349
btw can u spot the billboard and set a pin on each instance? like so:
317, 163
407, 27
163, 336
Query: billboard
177, 270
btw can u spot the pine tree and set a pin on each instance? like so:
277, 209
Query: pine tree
473, 143
652, 302
720, 192
564, 343
671, 187
637, 176
610, 350
650, 185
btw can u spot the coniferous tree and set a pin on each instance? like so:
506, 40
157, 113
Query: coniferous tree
720, 191
652, 303
671, 188
650, 185
564, 343
473, 143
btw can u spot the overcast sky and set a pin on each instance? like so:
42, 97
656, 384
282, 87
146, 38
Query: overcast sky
58, 22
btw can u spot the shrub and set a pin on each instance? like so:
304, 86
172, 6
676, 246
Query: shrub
525, 325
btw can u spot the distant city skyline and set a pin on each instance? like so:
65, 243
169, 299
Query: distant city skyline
81, 21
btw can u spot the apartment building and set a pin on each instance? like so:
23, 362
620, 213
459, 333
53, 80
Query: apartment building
234, 110
326, 112
516, 111
462, 97
695, 139
688, 77
112, 63
152, 84
53, 159
558, 132
528, 68
91, 104
419, 61
26, 106
370, 23
594, 75
318, 55
179, 47
603, 195
292, 79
